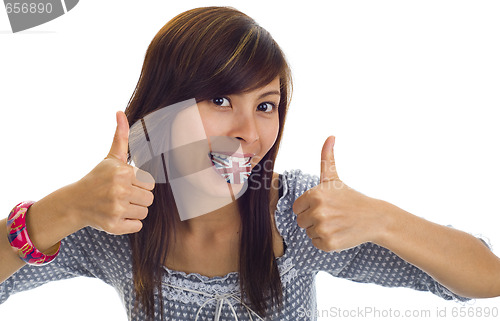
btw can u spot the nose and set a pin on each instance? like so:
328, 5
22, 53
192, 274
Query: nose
245, 127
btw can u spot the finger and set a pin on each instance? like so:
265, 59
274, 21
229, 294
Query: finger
311, 232
143, 179
301, 204
119, 148
141, 197
136, 212
328, 169
304, 220
319, 243
130, 226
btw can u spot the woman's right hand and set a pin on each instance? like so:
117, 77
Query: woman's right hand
114, 197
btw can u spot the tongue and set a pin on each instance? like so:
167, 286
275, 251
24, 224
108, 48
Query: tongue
234, 172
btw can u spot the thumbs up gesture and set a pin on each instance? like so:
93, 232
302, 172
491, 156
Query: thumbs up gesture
114, 196
335, 216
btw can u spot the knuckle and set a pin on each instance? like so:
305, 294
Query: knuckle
114, 211
122, 171
114, 206
331, 245
115, 192
109, 227
128, 171
120, 192
317, 196
297, 204
320, 215
116, 171
126, 192
300, 221
322, 230
318, 243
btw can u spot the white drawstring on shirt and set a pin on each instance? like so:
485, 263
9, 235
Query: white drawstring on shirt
220, 299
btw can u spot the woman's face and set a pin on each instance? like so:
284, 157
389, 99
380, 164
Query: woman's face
233, 133
215, 145
248, 120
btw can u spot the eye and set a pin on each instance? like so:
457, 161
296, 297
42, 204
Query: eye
266, 107
221, 101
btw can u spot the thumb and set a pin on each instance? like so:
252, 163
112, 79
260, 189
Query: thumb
119, 148
328, 169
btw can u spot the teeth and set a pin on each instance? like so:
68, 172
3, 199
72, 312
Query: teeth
233, 158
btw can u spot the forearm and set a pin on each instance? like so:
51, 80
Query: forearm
113, 197
454, 258
10, 260
48, 221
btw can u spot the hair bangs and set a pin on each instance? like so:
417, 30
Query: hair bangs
253, 62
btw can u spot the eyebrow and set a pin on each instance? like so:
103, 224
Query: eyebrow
269, 93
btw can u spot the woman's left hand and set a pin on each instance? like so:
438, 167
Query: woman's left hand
335, 216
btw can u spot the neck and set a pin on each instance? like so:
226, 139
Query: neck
221, 221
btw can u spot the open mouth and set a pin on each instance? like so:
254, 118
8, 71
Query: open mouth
235, 168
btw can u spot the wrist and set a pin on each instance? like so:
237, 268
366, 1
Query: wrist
51, 219
66, 206
20, 240
391, 218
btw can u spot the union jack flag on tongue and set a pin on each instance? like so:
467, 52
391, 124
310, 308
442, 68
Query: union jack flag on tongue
234, 172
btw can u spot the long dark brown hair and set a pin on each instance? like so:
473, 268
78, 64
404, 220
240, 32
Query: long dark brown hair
204, 53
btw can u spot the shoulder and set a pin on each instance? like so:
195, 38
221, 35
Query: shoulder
293, 183
288, 186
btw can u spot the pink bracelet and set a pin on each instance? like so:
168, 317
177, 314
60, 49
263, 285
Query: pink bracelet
19, 239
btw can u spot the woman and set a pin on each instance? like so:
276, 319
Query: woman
185, 269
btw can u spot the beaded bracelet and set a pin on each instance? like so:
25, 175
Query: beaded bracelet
19, 239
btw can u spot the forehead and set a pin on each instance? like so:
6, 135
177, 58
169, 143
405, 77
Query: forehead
272, 87
274, 84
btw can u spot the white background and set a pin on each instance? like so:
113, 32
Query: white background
409, 88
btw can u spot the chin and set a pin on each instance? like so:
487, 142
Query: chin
203, 192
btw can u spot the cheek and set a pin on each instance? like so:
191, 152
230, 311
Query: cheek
210, 123
269, 135
187, 127
210, 126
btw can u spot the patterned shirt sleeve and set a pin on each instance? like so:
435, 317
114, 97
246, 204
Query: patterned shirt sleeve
81, 254
366, 263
